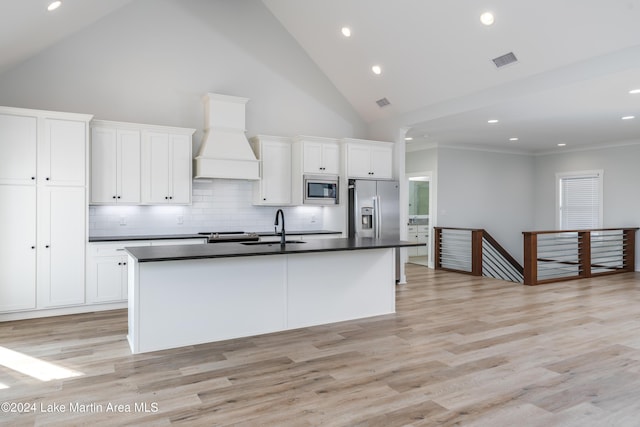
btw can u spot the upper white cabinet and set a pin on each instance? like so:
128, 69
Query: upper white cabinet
42, 147
274, 186
166, 166
368, 159
115, 163
62, 152
18, 142
317, 156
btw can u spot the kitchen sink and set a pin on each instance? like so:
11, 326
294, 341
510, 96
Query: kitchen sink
271, 243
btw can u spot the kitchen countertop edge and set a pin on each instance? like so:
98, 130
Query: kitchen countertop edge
230, 250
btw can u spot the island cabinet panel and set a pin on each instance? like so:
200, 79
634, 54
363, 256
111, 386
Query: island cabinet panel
198, 301
336, 294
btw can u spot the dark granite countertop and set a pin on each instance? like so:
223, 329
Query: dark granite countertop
144, 237
93, 239
226, 250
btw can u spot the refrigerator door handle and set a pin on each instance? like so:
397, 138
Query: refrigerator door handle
377, 217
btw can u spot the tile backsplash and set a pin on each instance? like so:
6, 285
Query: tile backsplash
218, 205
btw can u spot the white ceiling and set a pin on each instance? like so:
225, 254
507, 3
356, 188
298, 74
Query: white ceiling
577, 61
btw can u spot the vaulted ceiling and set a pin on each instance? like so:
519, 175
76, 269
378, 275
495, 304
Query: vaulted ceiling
577, 62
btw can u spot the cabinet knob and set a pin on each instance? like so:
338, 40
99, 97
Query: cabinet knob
118, 197
166, 197
33, 178
47, 178
124, 263
265, 199
171, 197
119, 263
46, 246
33, 247
114, 197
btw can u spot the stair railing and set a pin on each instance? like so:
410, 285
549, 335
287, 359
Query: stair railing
558, 255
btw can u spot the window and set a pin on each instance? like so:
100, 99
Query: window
579, 200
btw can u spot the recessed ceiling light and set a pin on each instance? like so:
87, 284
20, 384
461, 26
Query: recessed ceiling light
492, 121
54, 5
628, 117
562, 144
346, 31
487, 18
376, 69
408, 138
513, 139
634, 91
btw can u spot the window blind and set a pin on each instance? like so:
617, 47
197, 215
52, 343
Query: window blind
580, 202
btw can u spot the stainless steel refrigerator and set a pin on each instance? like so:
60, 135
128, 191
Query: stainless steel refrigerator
374, 211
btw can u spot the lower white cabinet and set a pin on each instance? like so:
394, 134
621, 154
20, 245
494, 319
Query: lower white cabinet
18, 248
61, 245
107, 267
419, 234
46, 269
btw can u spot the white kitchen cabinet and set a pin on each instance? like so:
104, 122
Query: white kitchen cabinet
18, 138
62, 152
107, 279
17, 247
369, 159
42, 147
61, 246
418, 234
274, 186
42, 215
319, 156
115, 164
166, 167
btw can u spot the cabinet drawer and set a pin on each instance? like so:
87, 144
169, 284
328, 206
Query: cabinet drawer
114, 249
423, 229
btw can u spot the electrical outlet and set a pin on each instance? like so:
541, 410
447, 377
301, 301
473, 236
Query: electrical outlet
180, 219
314, 219
123, 220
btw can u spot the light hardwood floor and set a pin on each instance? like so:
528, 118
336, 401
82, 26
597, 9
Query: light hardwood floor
460, 351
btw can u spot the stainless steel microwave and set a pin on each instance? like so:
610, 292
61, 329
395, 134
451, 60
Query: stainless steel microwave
321, 190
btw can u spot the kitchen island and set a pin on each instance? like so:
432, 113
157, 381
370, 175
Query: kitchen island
191, 294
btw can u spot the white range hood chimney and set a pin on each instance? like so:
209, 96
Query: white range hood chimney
225, 151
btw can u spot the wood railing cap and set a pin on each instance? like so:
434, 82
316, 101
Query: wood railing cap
580, 231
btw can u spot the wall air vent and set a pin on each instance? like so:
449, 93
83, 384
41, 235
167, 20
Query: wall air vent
383, 102
506, 59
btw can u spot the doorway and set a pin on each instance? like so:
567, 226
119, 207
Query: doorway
418, 224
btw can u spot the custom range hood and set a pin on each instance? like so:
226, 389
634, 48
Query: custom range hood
225, 151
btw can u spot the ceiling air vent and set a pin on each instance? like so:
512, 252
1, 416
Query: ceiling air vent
383, 102
506, 59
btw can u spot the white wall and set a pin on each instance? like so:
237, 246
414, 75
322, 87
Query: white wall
490, 190
621, 207
153, 60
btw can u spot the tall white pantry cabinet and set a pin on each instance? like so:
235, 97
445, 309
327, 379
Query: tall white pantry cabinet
43, 208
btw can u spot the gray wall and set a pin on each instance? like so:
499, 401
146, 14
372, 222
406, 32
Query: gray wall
153, 60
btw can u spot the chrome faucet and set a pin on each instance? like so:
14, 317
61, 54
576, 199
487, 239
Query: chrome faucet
283, 237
